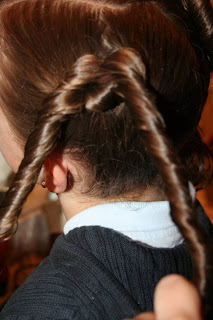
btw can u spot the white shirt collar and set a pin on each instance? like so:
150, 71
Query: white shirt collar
147, 222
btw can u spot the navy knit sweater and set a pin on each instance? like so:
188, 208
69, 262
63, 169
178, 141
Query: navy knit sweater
96, 273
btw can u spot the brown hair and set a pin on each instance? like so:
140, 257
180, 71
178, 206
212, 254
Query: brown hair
121, 85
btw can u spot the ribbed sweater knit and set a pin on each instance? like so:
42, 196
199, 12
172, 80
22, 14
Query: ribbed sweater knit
97, 273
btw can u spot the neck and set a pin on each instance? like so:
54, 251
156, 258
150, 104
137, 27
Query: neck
73, 203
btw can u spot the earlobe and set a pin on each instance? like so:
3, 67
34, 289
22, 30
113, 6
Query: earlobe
55, 175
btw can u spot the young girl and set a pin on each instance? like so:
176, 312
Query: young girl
100, 102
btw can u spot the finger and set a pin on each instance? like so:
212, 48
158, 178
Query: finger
176, 298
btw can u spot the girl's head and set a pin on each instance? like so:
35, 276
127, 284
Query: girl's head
119, 86
41, 50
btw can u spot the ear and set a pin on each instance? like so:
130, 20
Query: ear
55, 173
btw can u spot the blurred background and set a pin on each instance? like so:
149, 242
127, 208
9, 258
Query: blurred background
41, 221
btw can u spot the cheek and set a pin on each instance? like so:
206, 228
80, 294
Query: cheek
9, 147
12, 155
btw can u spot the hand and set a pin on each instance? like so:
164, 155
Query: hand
175, 299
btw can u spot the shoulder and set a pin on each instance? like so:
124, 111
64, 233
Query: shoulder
71, 284
43, 294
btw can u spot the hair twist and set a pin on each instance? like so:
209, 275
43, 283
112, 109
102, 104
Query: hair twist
130, 74
67, 99
89, 87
